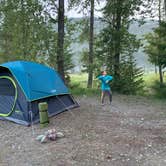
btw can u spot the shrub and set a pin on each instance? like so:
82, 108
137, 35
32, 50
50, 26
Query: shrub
159, 89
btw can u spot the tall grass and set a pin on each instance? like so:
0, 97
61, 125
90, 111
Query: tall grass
153, 87
151, 78
78, 85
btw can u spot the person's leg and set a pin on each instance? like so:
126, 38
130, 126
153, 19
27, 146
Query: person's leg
109, 95
102, 96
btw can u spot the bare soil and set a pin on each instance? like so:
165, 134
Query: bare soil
130, 132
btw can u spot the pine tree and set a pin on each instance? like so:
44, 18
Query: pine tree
115, 44
131, 77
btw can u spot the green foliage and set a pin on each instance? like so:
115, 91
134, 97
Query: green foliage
83, 30
149, 79
81, 6
160, 91
152, 86
87, 33
156, 47
69, 33
131, 78
84, 60
78, 85
105, 46
23, 31
84, 91
28, 34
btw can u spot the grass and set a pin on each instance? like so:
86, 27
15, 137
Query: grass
78, 85
151, 78
152, 86
80, 79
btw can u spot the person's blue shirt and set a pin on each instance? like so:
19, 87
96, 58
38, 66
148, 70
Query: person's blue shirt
105, 79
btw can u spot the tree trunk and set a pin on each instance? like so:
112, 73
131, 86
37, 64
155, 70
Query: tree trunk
165, 8
160, 74
23, 31
160, 66
155, 68
117, 45
60, 44
91, 53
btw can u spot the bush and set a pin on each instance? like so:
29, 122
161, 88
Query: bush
131, 79
159, 89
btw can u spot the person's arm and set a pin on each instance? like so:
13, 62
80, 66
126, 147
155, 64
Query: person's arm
100, 77
97, 78
108, 79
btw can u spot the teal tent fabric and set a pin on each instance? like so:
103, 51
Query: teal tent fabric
36, 81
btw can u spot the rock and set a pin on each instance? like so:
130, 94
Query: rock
142, 119
39, 137
149, 145
44, 139
109, 157
60, 134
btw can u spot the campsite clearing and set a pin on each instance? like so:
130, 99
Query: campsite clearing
132, 132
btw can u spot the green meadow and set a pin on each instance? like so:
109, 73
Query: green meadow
78, 85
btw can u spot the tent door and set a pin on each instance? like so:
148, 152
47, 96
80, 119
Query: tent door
8, 95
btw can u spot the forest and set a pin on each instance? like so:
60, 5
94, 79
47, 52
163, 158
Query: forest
41, 31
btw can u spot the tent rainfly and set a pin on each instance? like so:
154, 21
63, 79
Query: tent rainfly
23, 85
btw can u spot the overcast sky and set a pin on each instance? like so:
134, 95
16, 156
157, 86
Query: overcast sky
74, 12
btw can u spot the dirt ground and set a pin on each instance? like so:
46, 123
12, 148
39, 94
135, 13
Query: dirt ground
131, 132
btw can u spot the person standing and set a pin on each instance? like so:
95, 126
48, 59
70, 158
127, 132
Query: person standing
105, 86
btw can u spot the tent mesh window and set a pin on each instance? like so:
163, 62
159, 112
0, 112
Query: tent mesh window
7, 92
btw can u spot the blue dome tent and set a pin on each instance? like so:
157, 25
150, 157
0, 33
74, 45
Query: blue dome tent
23, 85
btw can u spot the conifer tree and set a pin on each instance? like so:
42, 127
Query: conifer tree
115, 44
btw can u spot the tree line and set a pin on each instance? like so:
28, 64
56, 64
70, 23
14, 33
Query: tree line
40, 31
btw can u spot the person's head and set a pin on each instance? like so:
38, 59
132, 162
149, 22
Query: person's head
104, 73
